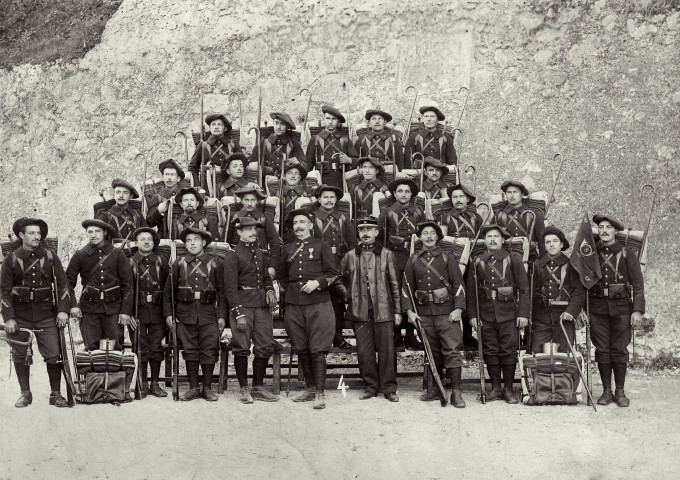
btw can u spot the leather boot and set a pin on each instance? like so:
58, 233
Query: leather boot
508, 380
456, 394
320, 401
23, 375
58, 400
263, 395
620, 398
192, 394
145, 389
319, 370
241, 368
431, 394
156, 390
207, 392
25, 399
496, 392
245, 396
305, 363
606, 398
619, 370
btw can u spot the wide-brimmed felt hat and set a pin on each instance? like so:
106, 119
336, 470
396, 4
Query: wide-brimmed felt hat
333, 111
440, 116
99, 223
385, 115
300, 211
154, 234
26, 221
374, 161
242, 222
251, 188
119, 182
218, 116
429, 223
459, 186
514, 183
367, 221
433, 162
552, 230
184, 191
404, 181
206, 235
170, 163
328, 188
284, 117
615, 223
484, 229
234, 156
291, 165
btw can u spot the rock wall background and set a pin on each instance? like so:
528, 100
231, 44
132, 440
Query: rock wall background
596, 81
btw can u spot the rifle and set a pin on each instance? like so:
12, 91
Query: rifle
429, 357
65, 367
551, 199
135, 346
480, 352
259, 147
407, 132
580, 373
144, 205
589, 376
202, 123
175, 347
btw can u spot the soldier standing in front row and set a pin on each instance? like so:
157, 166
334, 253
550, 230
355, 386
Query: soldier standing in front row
501, 280
26, 301
617, 302
306, 270
200, 309
250, 294
437, 286
151, 273
158, 204
105, 305
121, 216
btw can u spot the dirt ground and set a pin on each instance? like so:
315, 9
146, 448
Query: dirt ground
159, 438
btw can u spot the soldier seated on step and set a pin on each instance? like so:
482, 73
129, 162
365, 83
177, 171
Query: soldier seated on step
233, 175
216, 149
158, 202
122, 216
190, 201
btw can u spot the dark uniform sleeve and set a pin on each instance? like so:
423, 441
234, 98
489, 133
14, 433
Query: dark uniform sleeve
268, 281
298, 153
398, 151
64, 300
578, 295
538, 234
382, 227
274, 242
393, 279
6, 285
126, 282
72, 272
352, 153
409, 150
213, 229
410, 275
221, 299
282, 268
471, 299
170, 290
343, 271
458, 284
349, 234
311, 153
231, 284
450, 152
196, 162
330, 271
636, 280
521, 283
153, 216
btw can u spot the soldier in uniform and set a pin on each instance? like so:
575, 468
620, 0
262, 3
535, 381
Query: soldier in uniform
250, 293
105, 305
437, 287
558, 294
430, 141
371, 278
121, 216
362, 194
380, 142
306, 270
513, 219
617, 302
335, 228
158, 203
200, 309
278, 144
150, 271
233, 175
398, 223
434, 186
501, 280
328, 142
190, 201
294, 174
216, 148
268, 238
462, 220
26, 286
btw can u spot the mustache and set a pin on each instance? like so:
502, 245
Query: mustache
299, 229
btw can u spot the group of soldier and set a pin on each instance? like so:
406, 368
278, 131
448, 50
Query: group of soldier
329, 266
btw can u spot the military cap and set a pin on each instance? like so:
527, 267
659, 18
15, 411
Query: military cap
328, 188
99, 223
367, 221
218, 116
253, 188
117, 182
471, 196
284, 117
513, 183
333, 111
242, 222
305, 212
440, 115
404, 181
484, 229
299, 166
184, 191
385, 115
170, 163
373, 161
234, 156
615, 223
433, 162
206, 235
26, 221
429, 223
552, 230
154, 234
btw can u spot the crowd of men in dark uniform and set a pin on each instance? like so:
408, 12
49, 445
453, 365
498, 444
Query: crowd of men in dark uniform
329, 265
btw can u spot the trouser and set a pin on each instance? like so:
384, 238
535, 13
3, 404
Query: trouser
199, 342
499, 342
338, 300
48, 342
376, 337
446, 340
150, 341
97, 326
611, 335
401, 257
310, 327
546, 328
259, 329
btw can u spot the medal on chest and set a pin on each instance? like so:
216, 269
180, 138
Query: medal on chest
311, 252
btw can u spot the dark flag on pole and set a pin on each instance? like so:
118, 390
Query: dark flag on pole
584, 255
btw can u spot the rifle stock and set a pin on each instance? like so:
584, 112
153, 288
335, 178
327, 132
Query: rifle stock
175, 348
65, 367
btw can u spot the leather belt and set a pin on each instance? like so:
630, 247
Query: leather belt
259, 287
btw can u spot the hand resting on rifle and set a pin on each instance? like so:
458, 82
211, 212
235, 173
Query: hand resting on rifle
567, 317
271, 300
62, 319
412, 316
522, 322
76, 313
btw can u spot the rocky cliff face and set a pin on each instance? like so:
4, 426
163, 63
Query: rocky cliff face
592, 80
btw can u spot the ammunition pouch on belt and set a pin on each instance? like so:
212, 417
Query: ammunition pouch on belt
21, 294
440, 295
617, 291
208, 296
596, 291
112, 295
398, 243
91, 295
505, 294
41, 295
541, 300
185, 294
155, 298
421, 297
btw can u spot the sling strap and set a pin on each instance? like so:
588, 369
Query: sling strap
470, 225
560, 281
506, 262
197, 269
292, 257
607, 261
38, 263
442, 142
321, 143
99, 264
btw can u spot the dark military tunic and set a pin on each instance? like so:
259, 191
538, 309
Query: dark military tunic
229, 186
288, 199
383, 145
320, 152
399, 223
435, 143
518, 224
268, 238
214, 150
199, 221
155, 218
463, 224
124, 219
274, 147
362, 196
335, 228
434, 190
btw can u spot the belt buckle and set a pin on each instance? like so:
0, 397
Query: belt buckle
334, 166
149, 298
605, 292
493, 294
406, 245
430, 298
334, 249
30, 295
101, 295
197, 295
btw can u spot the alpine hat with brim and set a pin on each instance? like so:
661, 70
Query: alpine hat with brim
206, 235
243, 222
615, 223
429, 223
487, 228
234, 156
333, 111
433, 162
284, 117
385, 115
251, 188
404, 181
184, 191
26, 221
154, 234
512, 183
218, 116
303, 171
328, 188
300, 211
471, 196
552, 230
430, 108
170, 163
373, 161
99, 223
118, 182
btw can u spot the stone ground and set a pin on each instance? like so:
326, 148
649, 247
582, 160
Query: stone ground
159, 438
